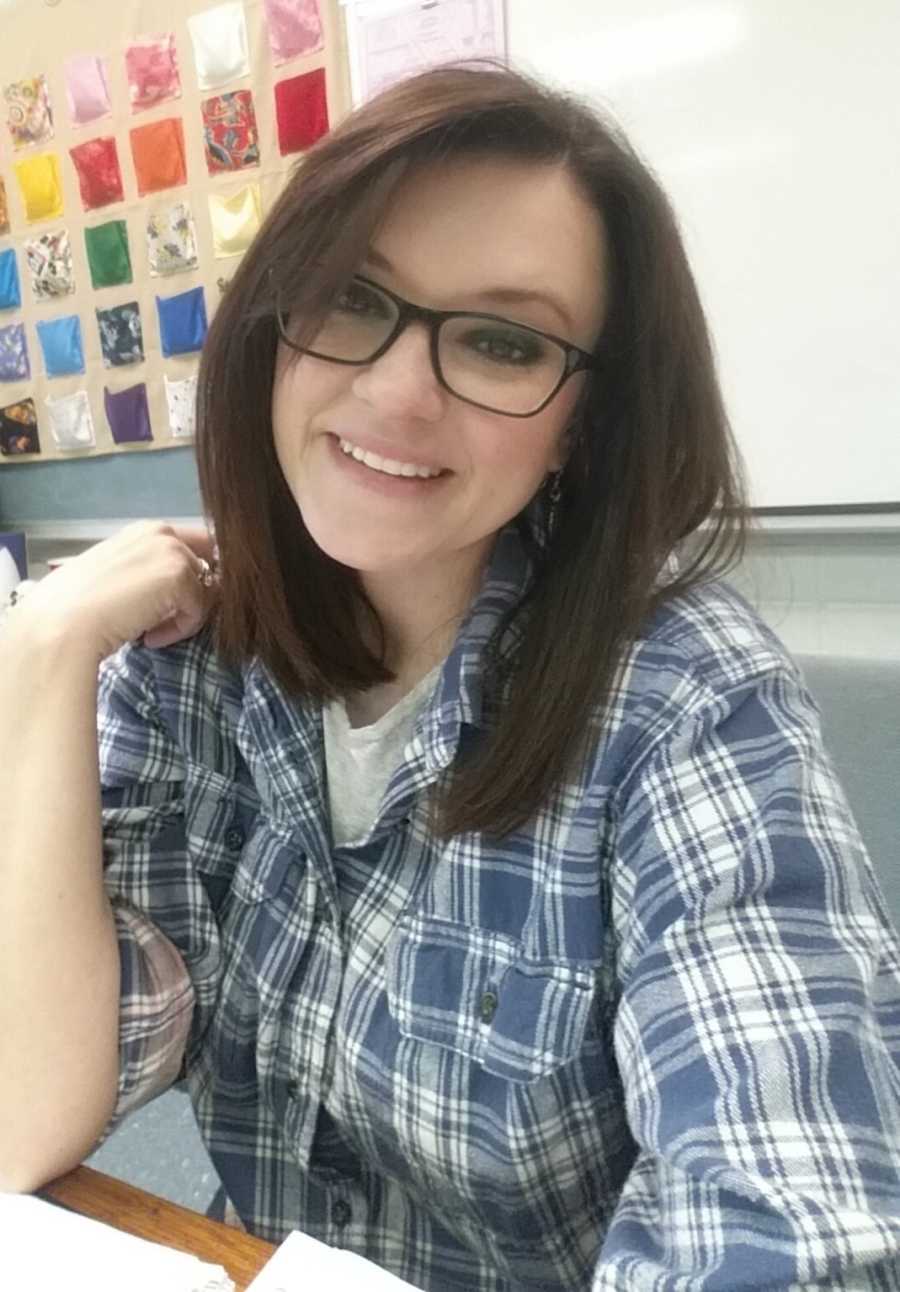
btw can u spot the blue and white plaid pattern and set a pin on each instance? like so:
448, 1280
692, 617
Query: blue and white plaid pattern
650, 1040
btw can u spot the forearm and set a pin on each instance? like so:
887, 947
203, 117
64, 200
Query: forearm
59, 963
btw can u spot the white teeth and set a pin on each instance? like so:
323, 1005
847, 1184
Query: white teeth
386, 465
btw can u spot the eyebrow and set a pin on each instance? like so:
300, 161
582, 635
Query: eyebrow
501, 294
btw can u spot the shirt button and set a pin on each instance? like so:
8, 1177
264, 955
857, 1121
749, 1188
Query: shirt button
341, 1213
234, 838
487, 1006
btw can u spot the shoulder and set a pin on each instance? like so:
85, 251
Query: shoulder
703, 656
183, 692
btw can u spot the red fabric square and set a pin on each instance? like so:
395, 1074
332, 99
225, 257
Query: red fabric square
99, 176
301, 110
158, 153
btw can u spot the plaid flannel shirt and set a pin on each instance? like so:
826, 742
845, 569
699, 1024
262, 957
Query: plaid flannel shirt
649, 1040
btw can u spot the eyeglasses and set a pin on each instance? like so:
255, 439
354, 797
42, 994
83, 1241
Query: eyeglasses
483, 359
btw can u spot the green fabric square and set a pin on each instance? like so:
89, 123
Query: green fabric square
107, 253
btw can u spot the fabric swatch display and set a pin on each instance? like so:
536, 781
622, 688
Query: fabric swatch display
229, 132
14, 364
19, 429
121, 337
28, 111
235, 220
4, 210
40, 185
87, 89
151, 66
219, 38
99, 177
49, 260
182, 322
294, 26
10, 291
181, 399
61, 345
128, 414
71, 423
107, 253
301, 110
171, 240
158, 153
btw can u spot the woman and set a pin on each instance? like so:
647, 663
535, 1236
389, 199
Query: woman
479, 865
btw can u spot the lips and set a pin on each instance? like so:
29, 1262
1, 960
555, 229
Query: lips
386, 459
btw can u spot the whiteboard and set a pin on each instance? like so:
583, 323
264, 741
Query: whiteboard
774, 126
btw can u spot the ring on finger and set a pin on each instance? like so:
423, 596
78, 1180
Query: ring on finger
206, 574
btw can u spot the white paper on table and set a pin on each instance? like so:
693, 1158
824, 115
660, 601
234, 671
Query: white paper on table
48, 1249
390, 39
303, 1263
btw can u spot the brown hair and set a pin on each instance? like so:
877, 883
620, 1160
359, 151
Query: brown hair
653, 460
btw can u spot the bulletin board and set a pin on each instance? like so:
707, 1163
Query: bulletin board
141, 143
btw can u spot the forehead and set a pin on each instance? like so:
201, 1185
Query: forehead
457, 228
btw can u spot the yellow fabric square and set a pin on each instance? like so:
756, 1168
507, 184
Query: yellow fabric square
40, 186
234, 220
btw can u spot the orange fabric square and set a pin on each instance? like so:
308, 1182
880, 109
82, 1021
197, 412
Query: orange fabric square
158, 152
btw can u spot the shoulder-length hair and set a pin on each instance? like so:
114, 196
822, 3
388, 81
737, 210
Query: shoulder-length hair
652, 463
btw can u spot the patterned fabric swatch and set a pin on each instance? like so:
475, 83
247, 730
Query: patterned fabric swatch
40, 186
18, 429
87, 90
181, 398
107, 253
50, 263
14, 365
61, 345
295, 27
28, 109
128, 414
99, 176
151, 65
182, 322
302, 111
4, 210
10, 292
234, 220
171, 240
229, 132
219, 37
71, 423
121, 339
158, 152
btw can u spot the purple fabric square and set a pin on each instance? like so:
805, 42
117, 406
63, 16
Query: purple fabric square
128, 414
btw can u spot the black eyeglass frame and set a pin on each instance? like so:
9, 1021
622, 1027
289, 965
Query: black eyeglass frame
576, 359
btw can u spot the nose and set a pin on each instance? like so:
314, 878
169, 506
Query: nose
402, 384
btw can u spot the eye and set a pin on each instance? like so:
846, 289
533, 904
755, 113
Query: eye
505, 346
362, 301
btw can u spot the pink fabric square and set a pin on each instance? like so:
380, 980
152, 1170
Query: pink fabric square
86, 88
152, 68
295, 27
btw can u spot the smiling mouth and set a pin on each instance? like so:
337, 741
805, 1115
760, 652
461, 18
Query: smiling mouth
388, 466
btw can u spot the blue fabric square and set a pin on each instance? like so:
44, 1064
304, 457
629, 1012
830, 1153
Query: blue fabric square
14, 365
182, 321
61, 343
10, 293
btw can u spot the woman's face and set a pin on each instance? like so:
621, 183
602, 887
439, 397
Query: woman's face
496, 236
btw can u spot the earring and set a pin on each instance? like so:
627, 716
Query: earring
554, 496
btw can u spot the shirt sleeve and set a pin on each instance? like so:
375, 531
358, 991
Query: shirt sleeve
166, 933
758, 1030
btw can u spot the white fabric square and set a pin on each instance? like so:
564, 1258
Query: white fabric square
219, 37
71, 423
181, 397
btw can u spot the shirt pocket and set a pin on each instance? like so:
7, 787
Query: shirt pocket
473, 991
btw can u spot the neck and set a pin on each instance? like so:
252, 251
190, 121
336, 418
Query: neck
421, 609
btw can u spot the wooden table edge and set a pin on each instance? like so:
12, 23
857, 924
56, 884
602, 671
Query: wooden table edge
134, 1211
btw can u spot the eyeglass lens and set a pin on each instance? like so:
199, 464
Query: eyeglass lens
490, 362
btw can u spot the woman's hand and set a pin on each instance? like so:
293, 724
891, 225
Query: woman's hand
143, 582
